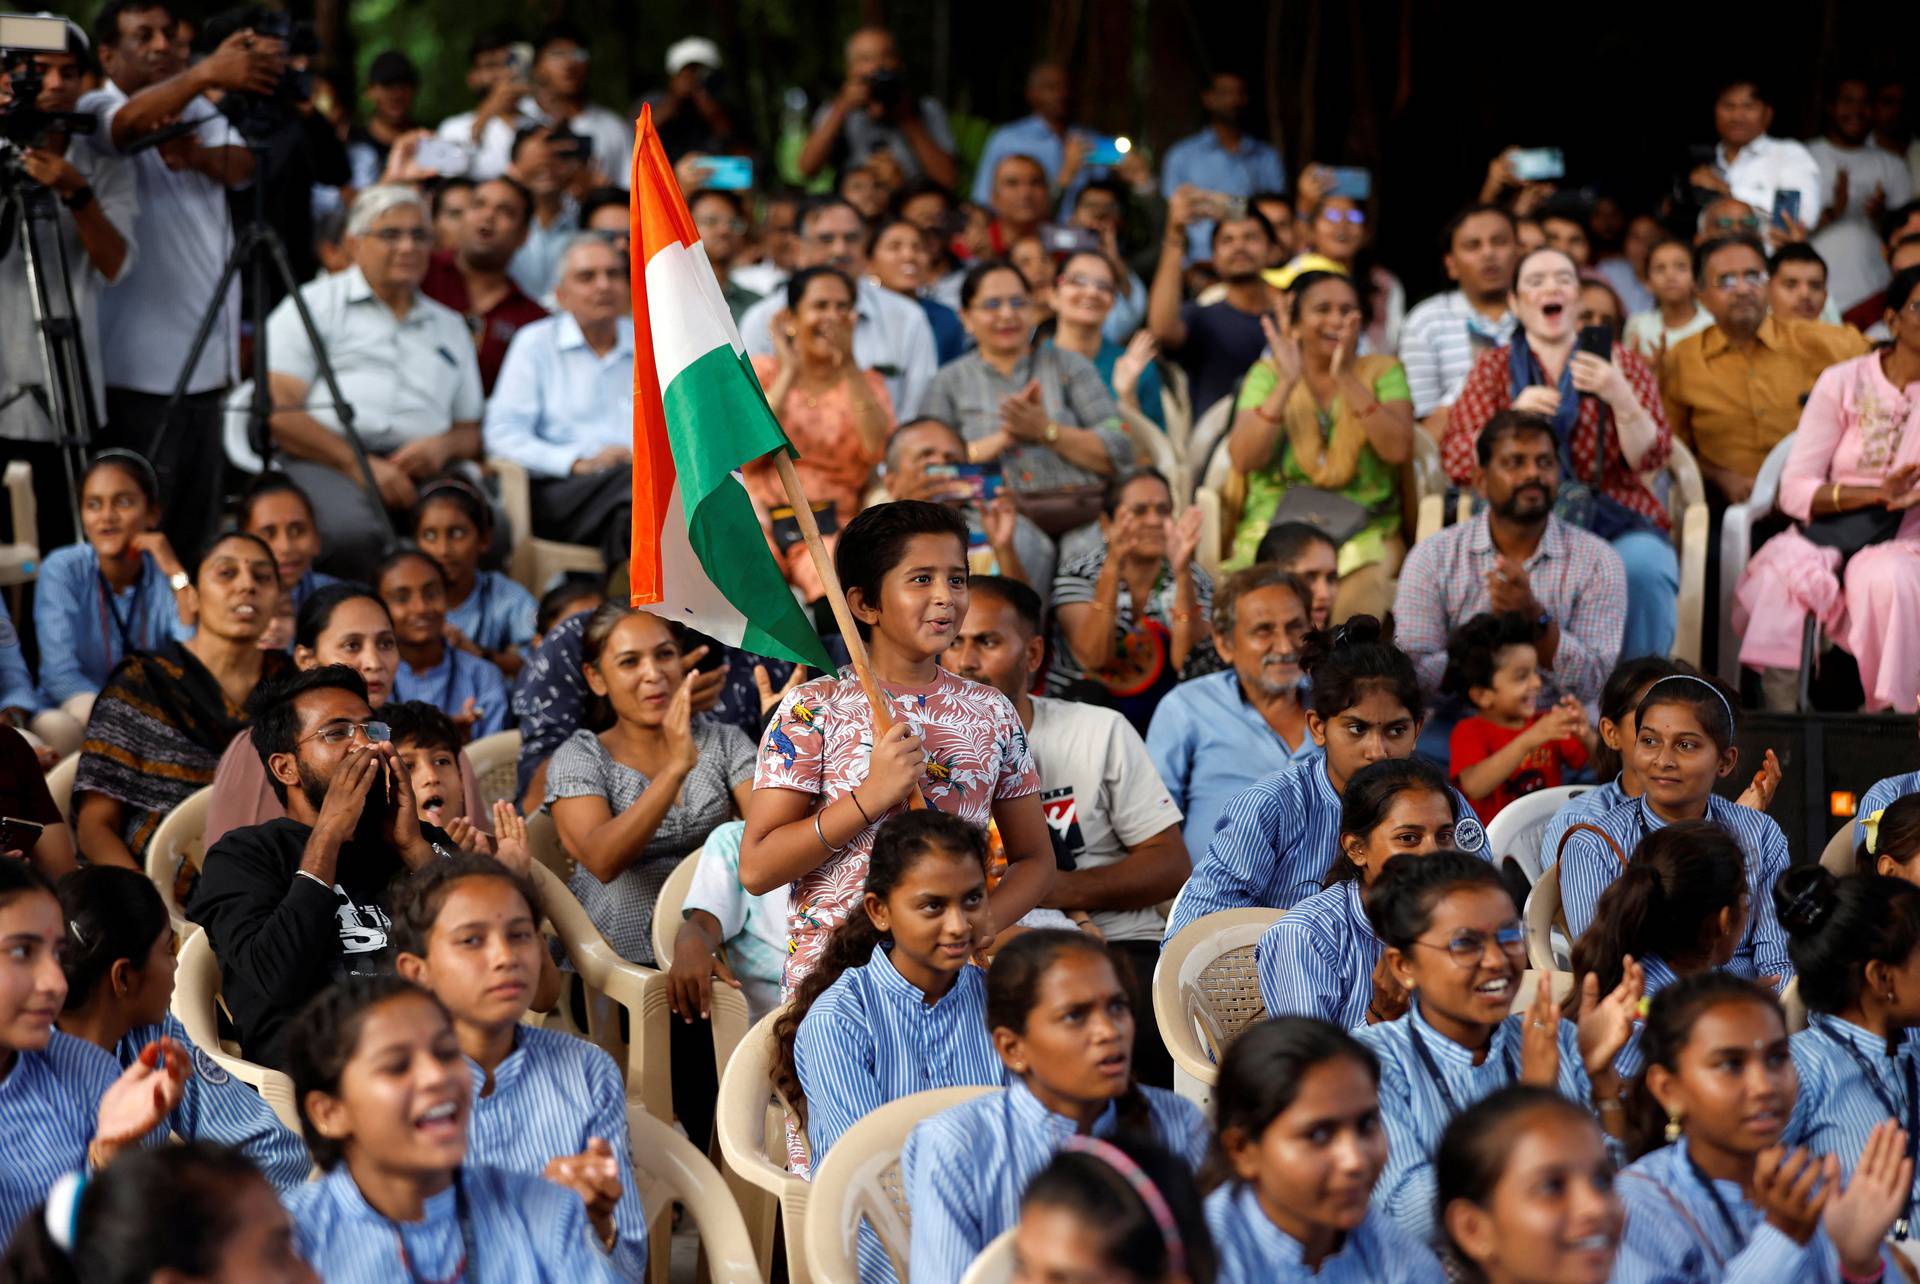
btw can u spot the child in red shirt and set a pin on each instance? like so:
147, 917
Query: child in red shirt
1508, 747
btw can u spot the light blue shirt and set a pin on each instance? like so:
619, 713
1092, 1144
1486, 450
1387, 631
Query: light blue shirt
535, 266
557, 401
83, 633
1276, 840
1675, 1234
307, 585
214, 1106
1883, 794
1318, 960
49, 1103
498, 614
965, 1169
17, 690
1209, 743
1199, 159
1847, 1083
1588, 867
551, 1094
1629, 1061
1595, 802
1252, 1250
1028, 136
448, 685
1416, 1111
524, 1230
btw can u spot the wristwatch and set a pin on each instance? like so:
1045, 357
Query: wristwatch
1053, 432
178, 580
79, 198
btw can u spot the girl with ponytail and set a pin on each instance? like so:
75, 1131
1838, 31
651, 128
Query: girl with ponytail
1681, 907
1856, 944
1716, 1194
1063, 1026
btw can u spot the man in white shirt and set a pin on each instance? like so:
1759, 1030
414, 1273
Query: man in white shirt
1750, 165
1859, 182
890, 332
487, 131
561, 60
1444, 335
148, 316
405, 364
563, 406
1116, 831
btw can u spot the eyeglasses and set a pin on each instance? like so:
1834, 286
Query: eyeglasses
1726, 223
1344, 216
1079, 282
722, 221
1469, 945
395, 235
1014, 304
335, 734
1752, 276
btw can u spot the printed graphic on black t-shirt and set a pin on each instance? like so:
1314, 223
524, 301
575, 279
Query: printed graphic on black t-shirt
1063, 826
363, 932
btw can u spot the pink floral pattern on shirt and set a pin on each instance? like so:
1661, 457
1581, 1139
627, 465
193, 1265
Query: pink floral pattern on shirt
820, 742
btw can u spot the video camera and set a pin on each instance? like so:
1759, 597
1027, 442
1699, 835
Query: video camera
22, 122
260, 116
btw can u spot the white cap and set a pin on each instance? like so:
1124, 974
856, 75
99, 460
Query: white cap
683, 53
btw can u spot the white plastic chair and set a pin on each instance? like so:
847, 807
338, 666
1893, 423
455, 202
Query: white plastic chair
1839, 857
749, 1119
667, 1170
1736, 549
1516, 831
60, 784
495, 760
536, 561
20, 556
1222, 493
1152, 448
1687, 507
730, 1016
1209, 430
861, 1181
179, 837
1206, 990
1547, 947
196, 998
995, 1263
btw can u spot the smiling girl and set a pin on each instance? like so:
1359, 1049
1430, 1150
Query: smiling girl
488, 615
457, 682
1297, 1108
279, 512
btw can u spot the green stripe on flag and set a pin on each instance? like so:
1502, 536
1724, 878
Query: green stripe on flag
717, 421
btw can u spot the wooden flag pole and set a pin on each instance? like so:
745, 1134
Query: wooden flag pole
837, 602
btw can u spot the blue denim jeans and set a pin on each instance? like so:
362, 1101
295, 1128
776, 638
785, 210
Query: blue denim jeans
1653, 593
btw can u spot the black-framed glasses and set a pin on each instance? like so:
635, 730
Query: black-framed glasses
335, 734
1468, 946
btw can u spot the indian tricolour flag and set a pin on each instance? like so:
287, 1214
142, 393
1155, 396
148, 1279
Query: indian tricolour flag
699, 555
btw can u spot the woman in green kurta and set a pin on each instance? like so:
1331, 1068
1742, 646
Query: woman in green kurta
1312, 413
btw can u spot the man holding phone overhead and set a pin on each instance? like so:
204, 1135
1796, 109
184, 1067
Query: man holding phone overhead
876, 110
497, 67
1221, 157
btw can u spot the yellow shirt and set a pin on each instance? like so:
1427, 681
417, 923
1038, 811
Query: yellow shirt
1731, 407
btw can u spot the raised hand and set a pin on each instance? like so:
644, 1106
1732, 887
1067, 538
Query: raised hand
510, 838
466, 835
1784, 1186
347, 793
1131, 364
1343, 356
999, 519
1607, 1023
403, 826
1859, 1216
708, 684
1759, 794
769, 698
140, 1099
594, 1175
682, 752
1283, 349
1023, 416
1540, 1039
1183, 539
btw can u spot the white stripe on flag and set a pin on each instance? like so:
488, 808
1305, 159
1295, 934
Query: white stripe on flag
690, 319
688, 595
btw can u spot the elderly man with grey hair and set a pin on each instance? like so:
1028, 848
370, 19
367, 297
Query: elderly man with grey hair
563, 405
405, 363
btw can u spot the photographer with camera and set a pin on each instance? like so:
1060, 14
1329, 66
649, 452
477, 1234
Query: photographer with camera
497, 66
95, 212
875, 111
561, 61
149, 315
688, 111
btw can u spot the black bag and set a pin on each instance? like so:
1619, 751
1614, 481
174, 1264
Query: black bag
1851, 532
1326, 510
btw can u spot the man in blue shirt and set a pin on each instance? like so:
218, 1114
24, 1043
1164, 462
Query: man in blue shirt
1214, 736
1221, 158
1047, 135
563, 406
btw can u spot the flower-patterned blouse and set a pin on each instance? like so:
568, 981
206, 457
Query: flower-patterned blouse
820, 742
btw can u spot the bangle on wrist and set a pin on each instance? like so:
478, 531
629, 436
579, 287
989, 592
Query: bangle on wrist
1833, 497
822, 835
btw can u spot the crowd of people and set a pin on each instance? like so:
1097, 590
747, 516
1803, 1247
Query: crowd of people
1111, 705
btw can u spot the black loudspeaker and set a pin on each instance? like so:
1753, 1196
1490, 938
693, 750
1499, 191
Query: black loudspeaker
1827, 762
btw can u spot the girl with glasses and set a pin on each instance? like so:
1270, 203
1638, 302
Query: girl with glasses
1455, 944
1337, 227
1084, 292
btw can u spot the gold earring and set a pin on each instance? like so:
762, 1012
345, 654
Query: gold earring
1673, 1127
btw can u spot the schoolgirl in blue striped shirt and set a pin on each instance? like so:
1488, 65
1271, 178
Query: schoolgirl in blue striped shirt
1063, 1026
492, 616
1526, 1191
896, 1005
1683, 743
1125, 1211
1299, 1138
384, 1097
1321, 959
1892, 843
1722, 1199
1454, 943
1856, 942
119, 964
544, 1103
1681, 907
64, 1104
1276, 839
278, 510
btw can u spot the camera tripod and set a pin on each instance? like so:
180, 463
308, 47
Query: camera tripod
258, 247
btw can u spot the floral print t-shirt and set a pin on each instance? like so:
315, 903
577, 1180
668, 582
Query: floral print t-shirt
820, 742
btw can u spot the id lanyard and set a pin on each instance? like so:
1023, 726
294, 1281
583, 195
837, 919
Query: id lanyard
1903, 1227
1433, 1071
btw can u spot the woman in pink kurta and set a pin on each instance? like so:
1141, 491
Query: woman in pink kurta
1857, 449
837, 415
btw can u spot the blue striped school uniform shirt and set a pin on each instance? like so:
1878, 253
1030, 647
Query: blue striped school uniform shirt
307, 585
1275, 841
1596, 801
872, 1037
1589, 867
1628, 1062
1676, 1235
550, 1094
49, 1103
498, 614
448, 684
965, 1169
1254, 1251
1879, 796
215, 1106
1416, 1110
1318, 961
524, 1230
1839, 1104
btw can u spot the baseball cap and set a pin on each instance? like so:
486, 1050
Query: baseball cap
683, 53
